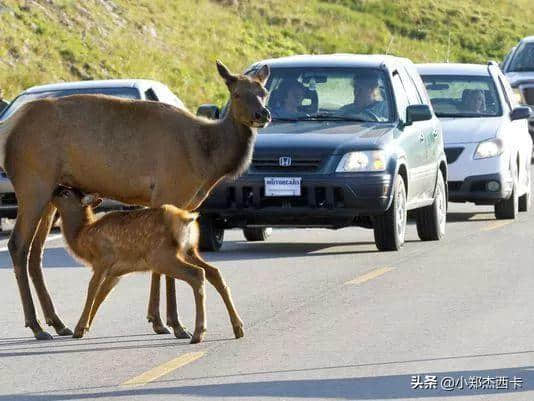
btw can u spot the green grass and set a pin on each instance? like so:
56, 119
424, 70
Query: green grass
177, 42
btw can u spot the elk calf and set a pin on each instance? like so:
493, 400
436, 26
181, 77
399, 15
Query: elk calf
161, 240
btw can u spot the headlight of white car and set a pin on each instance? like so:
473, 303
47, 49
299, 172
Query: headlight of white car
490, 148
370, 160
518, 96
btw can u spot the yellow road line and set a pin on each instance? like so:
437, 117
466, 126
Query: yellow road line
495, 225
369, 276
163, 369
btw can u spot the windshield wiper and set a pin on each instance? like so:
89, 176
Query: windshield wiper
287, 119
332, 117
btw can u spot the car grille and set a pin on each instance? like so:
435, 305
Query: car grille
452, 154
297, 165
311, 196
528, 93
454, 185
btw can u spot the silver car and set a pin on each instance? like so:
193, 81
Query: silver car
124, 88
487, 143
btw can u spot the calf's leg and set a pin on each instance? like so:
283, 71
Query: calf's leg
94, 285
172, 310
153, 315
105, 288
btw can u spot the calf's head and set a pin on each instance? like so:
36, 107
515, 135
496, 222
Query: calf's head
71, 199
248, 96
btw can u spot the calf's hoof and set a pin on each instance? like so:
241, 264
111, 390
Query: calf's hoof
42, 336
180, 332
197, 338
64, 331
158, 326
238, 331
78, 333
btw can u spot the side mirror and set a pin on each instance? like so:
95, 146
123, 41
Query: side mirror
418, 112
520, 113
210, 111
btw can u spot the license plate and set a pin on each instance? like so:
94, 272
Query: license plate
282, 186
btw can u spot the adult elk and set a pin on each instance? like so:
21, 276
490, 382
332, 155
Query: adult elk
137, 152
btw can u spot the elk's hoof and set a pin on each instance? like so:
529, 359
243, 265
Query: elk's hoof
160, 328
43, 336
238, 331
65, 331
197, 338
182, 333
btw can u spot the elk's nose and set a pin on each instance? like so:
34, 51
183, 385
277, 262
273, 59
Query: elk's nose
263, 115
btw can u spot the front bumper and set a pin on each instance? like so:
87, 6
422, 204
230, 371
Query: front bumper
474, 189
325, 201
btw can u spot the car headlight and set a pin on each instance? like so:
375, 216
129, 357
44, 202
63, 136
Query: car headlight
518, 96
370, 160
490, 148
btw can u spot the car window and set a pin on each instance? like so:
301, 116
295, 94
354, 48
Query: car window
523, 58
400, 96
128, 93
463, 96
329, 93
411, 91
150, 94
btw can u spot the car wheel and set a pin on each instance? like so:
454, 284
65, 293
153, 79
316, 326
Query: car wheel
211, 236
431, 220
390, 228
254, 234
525, 200
508, 208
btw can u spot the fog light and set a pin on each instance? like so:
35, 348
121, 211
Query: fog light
493, 186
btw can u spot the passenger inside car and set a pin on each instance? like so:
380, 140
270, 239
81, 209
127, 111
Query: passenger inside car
473, 100
287, 98
368, 100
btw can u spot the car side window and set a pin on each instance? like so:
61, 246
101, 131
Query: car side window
150, 94
400, 95
411, 91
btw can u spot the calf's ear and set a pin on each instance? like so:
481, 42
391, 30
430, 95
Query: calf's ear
262, 75
91, 200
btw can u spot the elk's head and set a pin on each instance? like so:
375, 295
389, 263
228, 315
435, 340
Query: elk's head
248, 96
65, 198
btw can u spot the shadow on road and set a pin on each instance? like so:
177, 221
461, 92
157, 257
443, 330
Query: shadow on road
53, 257
352, 388
457, 217
239, 250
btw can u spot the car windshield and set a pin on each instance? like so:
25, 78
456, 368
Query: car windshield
337, 94
128, 93
463, 96
523, 58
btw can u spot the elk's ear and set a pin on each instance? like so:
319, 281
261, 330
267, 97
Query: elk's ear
262, 75
91, 200
228, 77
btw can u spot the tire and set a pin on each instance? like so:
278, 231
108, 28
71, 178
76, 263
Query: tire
508, 208
390, 228
525, 200
211, 237
431, 220
255, 234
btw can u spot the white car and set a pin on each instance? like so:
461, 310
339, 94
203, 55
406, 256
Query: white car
125, 88
486, 137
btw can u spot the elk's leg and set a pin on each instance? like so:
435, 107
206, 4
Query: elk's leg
105, 288
36, 272
31, 208
153, 315
169, 264
172, 310
213, 275
94, 285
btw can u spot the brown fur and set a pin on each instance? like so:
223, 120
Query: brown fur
138, 152
163, 240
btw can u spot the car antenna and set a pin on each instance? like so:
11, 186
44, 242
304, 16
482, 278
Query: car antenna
449, 47
389, 45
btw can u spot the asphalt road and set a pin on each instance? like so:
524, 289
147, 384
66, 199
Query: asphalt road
326, 317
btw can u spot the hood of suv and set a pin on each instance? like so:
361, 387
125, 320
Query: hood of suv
469, 130
518, 78
319, 137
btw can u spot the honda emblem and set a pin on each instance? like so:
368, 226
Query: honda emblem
285, 161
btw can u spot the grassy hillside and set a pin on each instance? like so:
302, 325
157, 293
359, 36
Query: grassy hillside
177, 41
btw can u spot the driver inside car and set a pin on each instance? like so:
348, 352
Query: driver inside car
368, 103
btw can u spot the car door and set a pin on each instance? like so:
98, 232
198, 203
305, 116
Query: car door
411, 140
